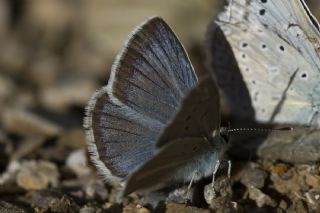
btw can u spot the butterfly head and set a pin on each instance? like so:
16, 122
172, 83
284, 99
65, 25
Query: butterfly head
224, 133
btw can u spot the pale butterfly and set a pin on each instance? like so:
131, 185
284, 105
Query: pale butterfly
276, 44
154, 123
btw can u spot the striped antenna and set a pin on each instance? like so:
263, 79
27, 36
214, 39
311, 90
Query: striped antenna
228, 130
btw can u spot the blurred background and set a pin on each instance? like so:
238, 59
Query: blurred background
56, 53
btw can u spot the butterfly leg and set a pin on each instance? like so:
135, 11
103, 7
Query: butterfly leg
216, 167
189, 188
229, 168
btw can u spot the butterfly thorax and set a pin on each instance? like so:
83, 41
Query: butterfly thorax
219, 142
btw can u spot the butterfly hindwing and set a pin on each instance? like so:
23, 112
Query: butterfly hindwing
275, 44
111, 132
228, 74
171, 163
189, 144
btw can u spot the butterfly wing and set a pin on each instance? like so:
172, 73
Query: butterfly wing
153, 72
198, 116
276, 45
148, 80
169, 163
186, 138
111, 131
228, 74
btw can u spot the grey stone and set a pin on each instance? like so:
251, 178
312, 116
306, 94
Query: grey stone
261, 198
301, 145
219, 197
253, 176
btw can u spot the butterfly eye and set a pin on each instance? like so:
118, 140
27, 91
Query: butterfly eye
225, 136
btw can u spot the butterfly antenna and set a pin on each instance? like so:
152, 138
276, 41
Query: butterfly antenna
264, 130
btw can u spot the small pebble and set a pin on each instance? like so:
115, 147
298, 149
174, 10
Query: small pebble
261, 198
27, 123
312, 196
313, 181
298, 206
182, 208
132, 208
181, 195
87, 187
37, 175
90, 209
279, 168
283, 204
253, 176
12, 169
51, 201
77, 161
219, 196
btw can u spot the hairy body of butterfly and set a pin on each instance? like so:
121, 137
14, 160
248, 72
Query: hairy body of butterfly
276, 73
154, 123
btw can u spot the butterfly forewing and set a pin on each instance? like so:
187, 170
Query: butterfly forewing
153, 72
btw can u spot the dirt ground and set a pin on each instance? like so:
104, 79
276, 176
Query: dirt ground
54, 55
